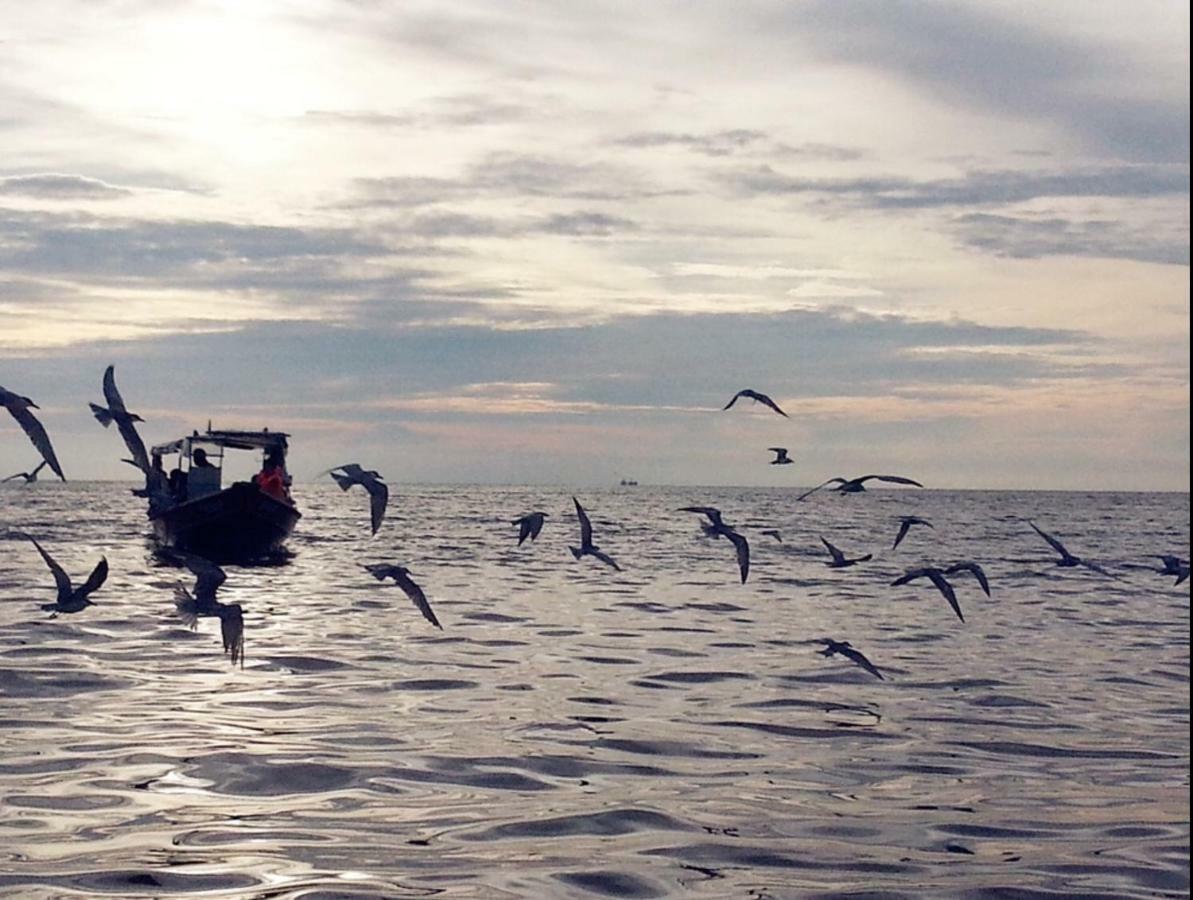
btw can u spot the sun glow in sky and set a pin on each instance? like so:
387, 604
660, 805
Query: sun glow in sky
517, 242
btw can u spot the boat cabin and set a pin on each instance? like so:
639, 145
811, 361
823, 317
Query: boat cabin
199, 471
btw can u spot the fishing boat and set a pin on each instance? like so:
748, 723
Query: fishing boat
190, 509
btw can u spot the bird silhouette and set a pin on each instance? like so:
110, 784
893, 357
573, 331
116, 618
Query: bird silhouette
772, 532
1067, 560
370, 480
781, 457
529, 526
70, 599
30, 477
116, 412
587, 547
1174, 565
717, 529
839, 561
905, 526
201, 603
973, 569
847, 650
19, 407
855, 485
936, 576
401, 576
758, 398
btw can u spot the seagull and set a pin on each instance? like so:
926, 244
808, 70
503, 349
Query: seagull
19, 407
190, 607
118, 413
839, 560
1174, 565
70, 599
854, 485
1067, 560
846, 650
29, 477
907, 522
760, 398
530, 526
936, 576
781, 457
772, 532
974, 569
587, 547
719, 529
370, 480
401, 575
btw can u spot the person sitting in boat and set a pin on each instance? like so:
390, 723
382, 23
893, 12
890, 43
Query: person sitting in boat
273, 479
203, 478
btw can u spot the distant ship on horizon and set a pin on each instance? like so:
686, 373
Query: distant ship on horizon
628, 482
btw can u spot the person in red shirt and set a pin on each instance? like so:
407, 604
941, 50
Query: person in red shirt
272, 479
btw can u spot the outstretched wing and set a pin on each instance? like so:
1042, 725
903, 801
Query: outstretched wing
1052, 542
61, 579
975, 570
819, 486
762, 398
894, 479
378, 500
714, 514
524, 528
859, 658
186, 606
734, 399
945, 588
605, 558
37, 434
232, 631
838, 556
903, 529
585, 525
415, 593
743, 552
97, 577
208, 576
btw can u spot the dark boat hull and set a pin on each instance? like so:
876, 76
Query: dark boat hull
238, 524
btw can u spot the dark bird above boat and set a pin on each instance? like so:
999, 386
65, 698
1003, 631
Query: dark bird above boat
846, 649
118, 413
905, 525
202, 603
839, 561
973, 569
587, 547
718, 528
29, 477
70, 599
1067, 560
401, 576
19, 407
350, 474
1174, 565
781, 457
758, 398
936, 576
529, 526
854, 485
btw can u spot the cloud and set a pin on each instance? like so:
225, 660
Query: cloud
1023, 237
53, 186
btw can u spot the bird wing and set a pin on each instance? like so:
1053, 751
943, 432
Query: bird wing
903, 529
61, 579
380, 571
819, 486
1052, 542
714, 514
232, 631
536, 525
585, 526
743, 552
945, 588
762, 398
133, 441
524, 529
858, 657
604, 557
37, 434
742, 393
894, 479
1096, 568
186, 606
378, 500
111, 394
975, 570
1181, 576
838, 556
909, 575
208, 576
97, 577
415, 593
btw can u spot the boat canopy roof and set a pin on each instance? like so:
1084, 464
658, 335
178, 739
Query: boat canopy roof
237, 440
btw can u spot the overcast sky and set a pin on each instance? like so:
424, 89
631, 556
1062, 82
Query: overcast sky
537, 242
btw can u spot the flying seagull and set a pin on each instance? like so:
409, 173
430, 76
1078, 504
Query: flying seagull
905, 526
401, 576
19, 407
70, 599
191, 606
781, 457
587, 547
29, 477
854, 485
719, 529
846, 650
772, 532
972, 568
1067, 560
936, 576
839, 560
116, 412
1174, 565
370, 480
757, 397
529, 526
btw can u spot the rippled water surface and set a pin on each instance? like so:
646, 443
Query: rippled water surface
577, 732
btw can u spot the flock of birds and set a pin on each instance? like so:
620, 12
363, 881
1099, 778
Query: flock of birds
201, 600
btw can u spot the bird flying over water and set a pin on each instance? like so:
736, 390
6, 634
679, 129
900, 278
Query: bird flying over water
401, 576
70, 599
907, 522
773, 532
718, 528
936, 576
587, 547
839, 560
116, 412
757, 397
973, 569
370, 480
190, 607
529, 526
846, 649
1067, 560
19, 407
1174, 565
781, 457
854, 485
29, 477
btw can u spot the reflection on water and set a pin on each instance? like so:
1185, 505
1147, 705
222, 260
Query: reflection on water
579, 732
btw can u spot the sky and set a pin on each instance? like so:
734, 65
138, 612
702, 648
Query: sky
515, 241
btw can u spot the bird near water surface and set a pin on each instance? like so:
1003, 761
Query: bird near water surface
856, 485
847, 650
529, 526
350, 474
401, 577
30, 477
905, 525
587, 547
839, 560
192, 606
70, 599
1067, 560
19, 407
936, 576
718, 528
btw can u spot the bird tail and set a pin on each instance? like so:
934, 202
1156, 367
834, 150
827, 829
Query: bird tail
576, 553
102, 415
